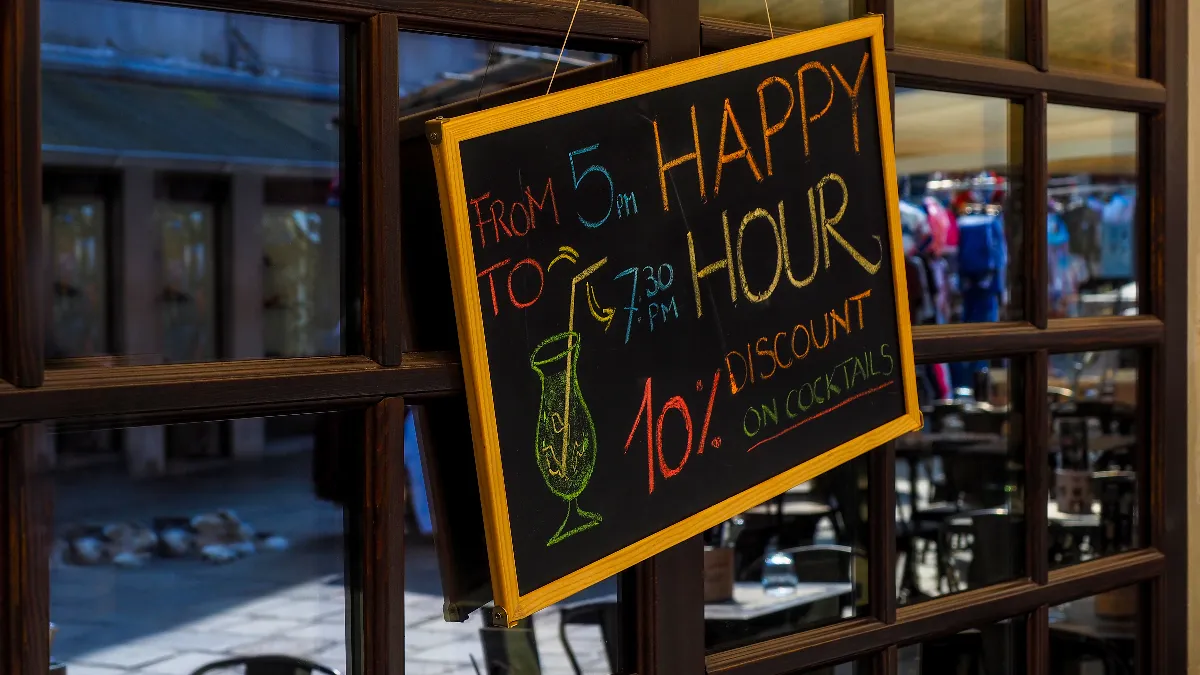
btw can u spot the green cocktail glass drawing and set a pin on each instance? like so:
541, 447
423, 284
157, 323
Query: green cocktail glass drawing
566, 438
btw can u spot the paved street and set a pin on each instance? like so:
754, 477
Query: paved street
172, 616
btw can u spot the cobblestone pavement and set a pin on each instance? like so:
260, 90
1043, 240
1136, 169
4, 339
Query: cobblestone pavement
172, 616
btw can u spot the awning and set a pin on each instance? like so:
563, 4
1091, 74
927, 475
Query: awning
90, 119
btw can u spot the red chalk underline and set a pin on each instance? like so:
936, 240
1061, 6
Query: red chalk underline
806, 420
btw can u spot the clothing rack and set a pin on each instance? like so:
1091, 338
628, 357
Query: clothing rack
955, 184
1089, 188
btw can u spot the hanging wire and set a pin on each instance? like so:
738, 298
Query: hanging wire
564, 45
486, 68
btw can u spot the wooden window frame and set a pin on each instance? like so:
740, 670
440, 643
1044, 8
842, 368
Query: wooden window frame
662, 617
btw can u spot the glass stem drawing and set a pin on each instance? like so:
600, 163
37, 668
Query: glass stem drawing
565, 444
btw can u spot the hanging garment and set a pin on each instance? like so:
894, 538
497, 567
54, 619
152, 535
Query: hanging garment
982, 268
914, 227
939, 285
915, 289
1063, 283
1082, 222
941, 380
1116, 249
940, 225
982, 254
926, 311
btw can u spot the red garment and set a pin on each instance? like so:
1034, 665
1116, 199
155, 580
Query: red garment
939, 225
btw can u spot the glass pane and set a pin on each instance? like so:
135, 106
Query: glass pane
434, 646
1093, 452
1093, 204
793, 563
958, 163
76, 235
188, 296
862, 667
162, 564
996, 649
959, 483
983, 27
802, 14
301, 280
436, 70
460, 76
541, 644
1098, 35
1097, 634
168, 252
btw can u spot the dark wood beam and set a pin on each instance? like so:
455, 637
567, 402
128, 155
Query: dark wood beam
21, 276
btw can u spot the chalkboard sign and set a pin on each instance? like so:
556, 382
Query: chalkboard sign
679, 293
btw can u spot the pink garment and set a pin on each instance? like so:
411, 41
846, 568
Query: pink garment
941, 376
952, 233
940, 225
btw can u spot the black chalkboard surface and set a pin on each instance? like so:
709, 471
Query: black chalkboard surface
677, 297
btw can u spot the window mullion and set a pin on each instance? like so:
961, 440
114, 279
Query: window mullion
375, 523
22, 303
25, 534
1037, 653
378, 144
883, 7
1035, 172
886, 662
1037, 471
881, 521
1037, 34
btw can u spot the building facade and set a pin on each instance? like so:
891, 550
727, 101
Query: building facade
232, 421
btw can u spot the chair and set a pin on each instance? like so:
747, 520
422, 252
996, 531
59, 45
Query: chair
791, 519
990, 650
1117, 492
995, 539
268, 665
956, 654
1070, 654
600, 612
509, 651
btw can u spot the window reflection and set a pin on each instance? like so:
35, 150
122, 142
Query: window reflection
76, 234
188, 292
436, 70
853, 668
1093, 408
301, 281
996, 649
801, 14
959, 208
195, 115
577, 635
1096, 35
983, 27
795, 562
1097, 634
461, 76
959, 484
1092, 212
233, 557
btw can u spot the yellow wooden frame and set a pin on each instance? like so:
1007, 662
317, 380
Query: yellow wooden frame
445, 136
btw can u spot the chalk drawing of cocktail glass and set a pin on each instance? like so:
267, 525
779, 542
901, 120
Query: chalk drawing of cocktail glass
566, 437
